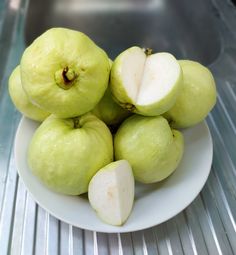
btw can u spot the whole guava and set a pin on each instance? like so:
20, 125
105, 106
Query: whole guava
152, 148
197, 97
64, 72
65, 153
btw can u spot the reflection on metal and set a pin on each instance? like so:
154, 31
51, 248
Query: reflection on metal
14, 4
168, 25
107, 6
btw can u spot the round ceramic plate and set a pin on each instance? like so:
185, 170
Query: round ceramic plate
154, 203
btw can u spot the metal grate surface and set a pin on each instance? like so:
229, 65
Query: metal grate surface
207, 226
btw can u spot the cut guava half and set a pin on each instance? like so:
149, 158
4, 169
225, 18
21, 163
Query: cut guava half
144, 83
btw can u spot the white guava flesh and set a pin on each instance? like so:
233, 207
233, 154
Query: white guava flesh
111, 192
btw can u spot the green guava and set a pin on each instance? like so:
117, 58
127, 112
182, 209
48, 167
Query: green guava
65, 153
64, 72
152, 148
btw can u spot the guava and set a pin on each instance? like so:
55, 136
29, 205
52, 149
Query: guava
145, 83
111, 192
21, 100
197, 97
109, 111
64, 72
152, 148
65, 153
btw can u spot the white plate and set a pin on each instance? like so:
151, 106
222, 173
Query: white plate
154, 203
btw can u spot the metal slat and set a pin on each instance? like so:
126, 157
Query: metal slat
102, 241
8, 207
125, 244
7, 129
206, 227
78, 246
137, 242
195, 233
41, 233
186, 238
224, 167
65, 246
53, 235
19, 219
226, 130
150, 241
114, 245
90, 245
221, 240
27, 246
162, 239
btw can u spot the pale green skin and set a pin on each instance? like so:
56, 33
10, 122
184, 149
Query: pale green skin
152, 148
120, 94
109, 111
65, 158
197, 97
42, 67
21, 100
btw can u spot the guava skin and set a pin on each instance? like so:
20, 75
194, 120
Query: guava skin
65, 72
151, 147
65, 153
197, 97
109, 111
21, 100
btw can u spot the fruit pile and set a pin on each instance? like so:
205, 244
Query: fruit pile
106, 124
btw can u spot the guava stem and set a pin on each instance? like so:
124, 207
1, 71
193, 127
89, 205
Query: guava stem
148, 51
76, 122
65, 77
129, 107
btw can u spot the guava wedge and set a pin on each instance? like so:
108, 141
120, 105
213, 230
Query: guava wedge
111, 192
